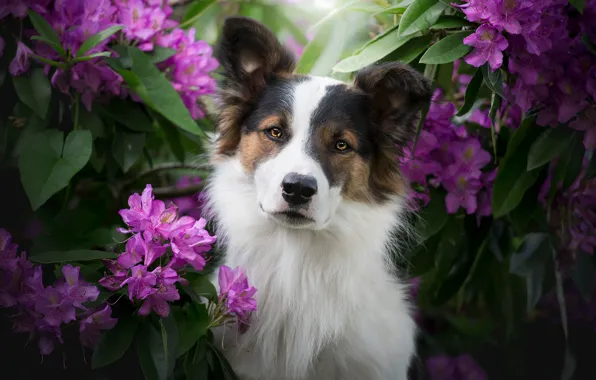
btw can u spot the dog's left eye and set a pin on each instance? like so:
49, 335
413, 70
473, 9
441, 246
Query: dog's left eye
342, 146
274, 132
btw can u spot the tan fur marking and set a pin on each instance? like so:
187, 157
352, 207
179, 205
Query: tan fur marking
255, 147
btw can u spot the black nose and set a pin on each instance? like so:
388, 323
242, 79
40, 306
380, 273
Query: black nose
297, 189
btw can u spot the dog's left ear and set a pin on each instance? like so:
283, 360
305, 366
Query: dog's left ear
251, 57
397, 93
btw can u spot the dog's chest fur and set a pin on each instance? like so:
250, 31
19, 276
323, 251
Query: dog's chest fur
328, 307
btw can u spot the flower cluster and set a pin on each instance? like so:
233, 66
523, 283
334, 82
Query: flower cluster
42, 311
555, 71
161, 244
447, 155
463, 367
236, 298
147, 25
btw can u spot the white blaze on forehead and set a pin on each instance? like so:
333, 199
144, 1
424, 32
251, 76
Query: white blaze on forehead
307, 97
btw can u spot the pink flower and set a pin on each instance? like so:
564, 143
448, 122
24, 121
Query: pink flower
75, 290
20, 63
141, 283
235, 292
90, 327
488, 46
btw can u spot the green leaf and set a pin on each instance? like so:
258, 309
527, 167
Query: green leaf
447, 50
512, 178
98, 38
578, 4
35, 91
55, 46
471, 93
202, 286
195, 363
127, 148
115, 342
160, 54
495, 105
157, 91
192, 325
373, 52
92, 122
228, 371
51, 257
313, 50
398, 8
153, 348
89, 57
169, 338
410, 50
352, 6
420, 15
434, 216
493, 79
568, 167
46, 31
173, 137
529, 261
449, 22
49, 162
131, 116
549, 145
195, 10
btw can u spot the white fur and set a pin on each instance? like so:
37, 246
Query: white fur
328, 305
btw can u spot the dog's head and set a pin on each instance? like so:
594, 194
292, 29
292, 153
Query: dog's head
306, 143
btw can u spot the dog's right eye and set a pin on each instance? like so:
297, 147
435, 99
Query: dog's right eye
274, 132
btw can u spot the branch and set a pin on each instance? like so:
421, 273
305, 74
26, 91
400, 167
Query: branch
174, 192
163, 167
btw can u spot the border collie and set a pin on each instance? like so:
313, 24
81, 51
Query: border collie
306, 196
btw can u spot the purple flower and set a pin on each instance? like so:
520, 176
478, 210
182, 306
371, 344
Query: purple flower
191, 241
586, 121
463, 367
488, 46
507, 14
55, 307
141, 283
461, 189
158, 301
235, 292
74, 290
20, 63
119, 274
90, 327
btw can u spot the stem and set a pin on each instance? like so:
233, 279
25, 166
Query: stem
163, 167
174, 192
76, 111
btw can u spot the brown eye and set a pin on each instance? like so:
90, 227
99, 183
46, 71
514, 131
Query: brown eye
342, 146
274, 132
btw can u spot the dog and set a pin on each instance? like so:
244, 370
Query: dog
306, 197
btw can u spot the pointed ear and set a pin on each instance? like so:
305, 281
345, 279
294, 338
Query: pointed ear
251, 56
397, 93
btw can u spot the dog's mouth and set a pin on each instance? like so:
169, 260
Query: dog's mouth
292, 218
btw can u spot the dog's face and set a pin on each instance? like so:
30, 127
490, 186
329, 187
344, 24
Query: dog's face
309, 143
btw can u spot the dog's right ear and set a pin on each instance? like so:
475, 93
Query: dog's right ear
250, 55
